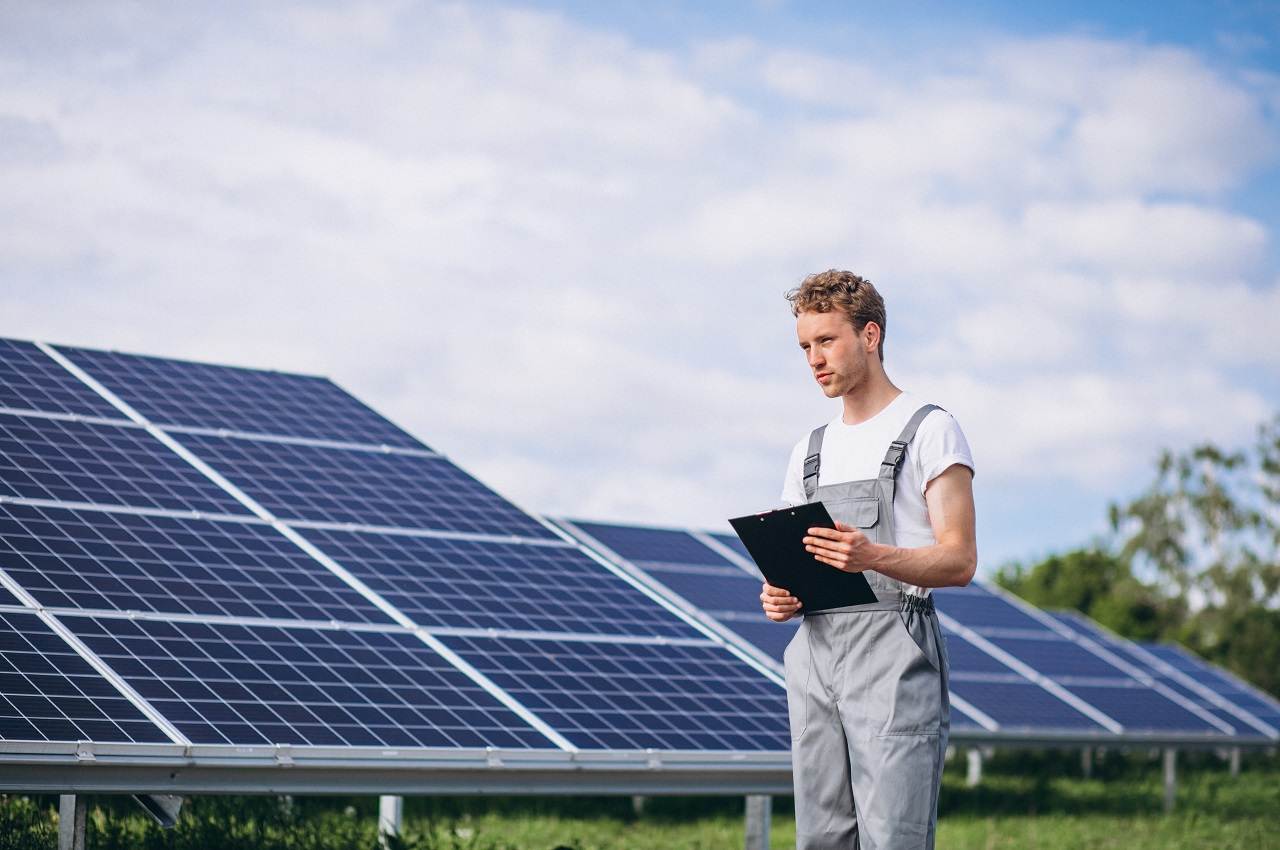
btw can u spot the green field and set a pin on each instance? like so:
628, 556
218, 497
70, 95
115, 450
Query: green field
1024, 801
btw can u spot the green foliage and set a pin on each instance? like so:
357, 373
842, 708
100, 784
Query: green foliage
1026, 800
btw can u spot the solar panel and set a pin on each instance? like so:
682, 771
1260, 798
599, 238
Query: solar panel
1088, 675
49, 693
625, 696
255, 685
304, 482
110, 560
642, 543
733, 542
769, 637
31, 380
493, 585
67, 461
1187, 689
204, 395
1018, 704
728, 589
725, 593
1239, 693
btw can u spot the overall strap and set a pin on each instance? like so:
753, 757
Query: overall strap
812, 461
898, 448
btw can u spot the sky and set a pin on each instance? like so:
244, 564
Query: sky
551, 239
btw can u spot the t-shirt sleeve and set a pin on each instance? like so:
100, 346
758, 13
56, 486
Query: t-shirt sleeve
793, 483
939, 445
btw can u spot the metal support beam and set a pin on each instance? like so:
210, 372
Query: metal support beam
638, 802
390, 817
1170, 778
759, 811
974, 775
1086, 762
165, 808
1235, 761
71, 822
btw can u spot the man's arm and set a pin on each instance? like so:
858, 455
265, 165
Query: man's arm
950, 562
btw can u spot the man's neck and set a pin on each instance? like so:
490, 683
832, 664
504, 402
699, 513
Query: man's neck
868, 400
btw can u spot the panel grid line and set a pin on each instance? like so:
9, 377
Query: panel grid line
621, 566
114, 678
1117, 662
305, 545
1031, 673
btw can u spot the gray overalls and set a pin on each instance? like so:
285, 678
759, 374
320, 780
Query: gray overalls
867, 691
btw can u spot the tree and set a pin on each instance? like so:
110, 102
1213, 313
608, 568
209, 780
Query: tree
1209, 528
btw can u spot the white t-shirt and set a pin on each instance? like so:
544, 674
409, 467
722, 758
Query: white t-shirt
855, 452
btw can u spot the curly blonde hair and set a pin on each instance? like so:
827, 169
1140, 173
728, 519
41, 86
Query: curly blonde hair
833, 289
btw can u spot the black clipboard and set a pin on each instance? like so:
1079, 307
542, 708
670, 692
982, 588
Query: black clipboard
775, 541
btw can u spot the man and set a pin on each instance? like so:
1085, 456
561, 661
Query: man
867, 684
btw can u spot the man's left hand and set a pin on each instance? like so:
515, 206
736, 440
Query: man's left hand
843, 547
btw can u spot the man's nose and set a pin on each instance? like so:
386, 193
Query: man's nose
815, 358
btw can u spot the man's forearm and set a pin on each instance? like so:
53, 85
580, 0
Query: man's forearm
939, 565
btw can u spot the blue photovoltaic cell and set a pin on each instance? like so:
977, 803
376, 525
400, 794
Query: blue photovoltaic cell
364, 487
1056, 657
635, 696
1087, 675
107, 464
49, 693
1260, 705
254, 685
734, 543
978, 608
710, 588
769, 637
967, 659
1137, 706
1022, 705
1133, 654
32, 380
112, 560
204, 395
653, 544
482, 584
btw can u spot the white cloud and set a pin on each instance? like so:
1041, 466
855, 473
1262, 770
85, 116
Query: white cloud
559, 256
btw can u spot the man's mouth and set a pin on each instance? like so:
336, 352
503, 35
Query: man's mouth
822, 376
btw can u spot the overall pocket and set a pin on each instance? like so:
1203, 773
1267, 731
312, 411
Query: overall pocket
909, 680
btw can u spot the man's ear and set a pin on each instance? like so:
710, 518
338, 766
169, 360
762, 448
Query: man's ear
871, 335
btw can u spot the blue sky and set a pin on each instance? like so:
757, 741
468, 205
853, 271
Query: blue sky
552, 238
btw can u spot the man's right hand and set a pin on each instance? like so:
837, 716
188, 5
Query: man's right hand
779, 605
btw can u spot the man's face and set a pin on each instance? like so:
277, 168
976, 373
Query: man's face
836, 352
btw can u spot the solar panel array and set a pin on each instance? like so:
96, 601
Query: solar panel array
1247, 711
1013, 668
211, 555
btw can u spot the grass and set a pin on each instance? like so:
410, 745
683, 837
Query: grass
1026, 801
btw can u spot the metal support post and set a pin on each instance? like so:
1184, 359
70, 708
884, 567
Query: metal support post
1086, 762
390, 817
1170, 778
71, 825
974, 776
759, 809
637, 804
1235, 761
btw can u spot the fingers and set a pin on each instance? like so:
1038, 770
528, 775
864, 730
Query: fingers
778, 604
